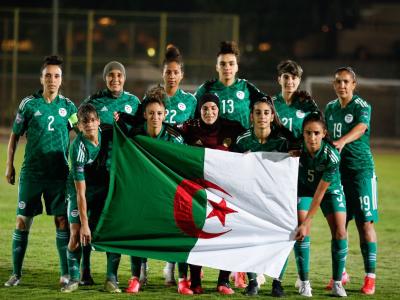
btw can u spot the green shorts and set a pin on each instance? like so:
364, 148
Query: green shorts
95, 197
30, 194
331, 203
362, 198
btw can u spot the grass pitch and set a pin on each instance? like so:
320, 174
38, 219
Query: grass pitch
40, 271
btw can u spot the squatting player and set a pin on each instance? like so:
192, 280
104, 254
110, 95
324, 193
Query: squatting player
348, 119
45, 118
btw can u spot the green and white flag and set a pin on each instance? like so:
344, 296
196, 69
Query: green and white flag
206, 207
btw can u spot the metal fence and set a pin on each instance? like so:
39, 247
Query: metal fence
89, 39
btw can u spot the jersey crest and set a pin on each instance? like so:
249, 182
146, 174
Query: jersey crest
182, 106
240, 95
348, 118
62, 112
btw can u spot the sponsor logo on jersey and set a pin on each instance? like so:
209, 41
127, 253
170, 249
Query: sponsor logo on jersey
300, 114
181, 106
75, 213
240, 95
19, 118
21, 204
368, 214
90, 161
198, 142
341, 205
128, 108
348, 118
80, 169
104, 109
330, 118
227, 142
62, 112
37, 113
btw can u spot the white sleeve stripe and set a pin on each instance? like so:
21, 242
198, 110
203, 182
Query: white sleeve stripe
244, 135
25, 101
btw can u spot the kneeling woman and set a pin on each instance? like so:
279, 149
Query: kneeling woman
319, 185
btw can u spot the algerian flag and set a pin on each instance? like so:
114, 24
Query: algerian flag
206, 207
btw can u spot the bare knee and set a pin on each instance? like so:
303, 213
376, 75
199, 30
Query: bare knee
341, 233
74, 238
23, 223
61, 222
367, 231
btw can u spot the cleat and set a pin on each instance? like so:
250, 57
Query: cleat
143, 274
369, 286
252, 288
197, 290
13, 281
225, 289
133, 286
111, 286
71, 286
184, 287
345, 279
338, 289
297, 284
240, 280
277, 289
169, 276
260, 280
86, 280
305, 288
64, 280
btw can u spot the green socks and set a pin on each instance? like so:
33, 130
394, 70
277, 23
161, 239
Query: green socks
74, 258
339, 253
113, 260
283, 269
369, 251
19, 245
62, 239
302, 254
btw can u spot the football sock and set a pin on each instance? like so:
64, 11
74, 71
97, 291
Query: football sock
195, 275
369, 251
223, 277
74, 258
113, 260
182, 270
62, 239
136, 264
302, 254
339, 253
19, 245
251, 276
283, 269
86, 251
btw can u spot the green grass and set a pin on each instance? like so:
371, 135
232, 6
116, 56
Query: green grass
40, 271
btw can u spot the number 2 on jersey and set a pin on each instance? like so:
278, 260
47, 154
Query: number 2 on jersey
49, 126
227, 106
287, 121
170, 118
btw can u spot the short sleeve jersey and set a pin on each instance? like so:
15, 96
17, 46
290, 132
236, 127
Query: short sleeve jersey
180, 107
235, 99
106, 104
167, 134
356, 156
292, 115
249, 142
46, 128
324, 165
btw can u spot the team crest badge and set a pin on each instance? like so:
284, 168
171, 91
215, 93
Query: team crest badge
18, 118
128, 108
62, 112
240, 95
21, 204
348, 118
300, 114
75, 213
182, 106
227, 142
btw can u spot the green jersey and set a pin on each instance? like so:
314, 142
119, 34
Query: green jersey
235, 99
167, 133
180, 107
292, 115
106, 104
324, 165
356, 157
46, 127
249, 142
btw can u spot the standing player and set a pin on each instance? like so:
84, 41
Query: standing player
107, 101
319, 185
292, 106
180, 107
348, 119
46, 118
87, 188
266, 134
235, 94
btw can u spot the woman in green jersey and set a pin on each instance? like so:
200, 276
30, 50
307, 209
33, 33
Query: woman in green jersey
45, 117
319, 186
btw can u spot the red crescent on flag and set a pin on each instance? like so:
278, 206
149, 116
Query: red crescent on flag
183, 204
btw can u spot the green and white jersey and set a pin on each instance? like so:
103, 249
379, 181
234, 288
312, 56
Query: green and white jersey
356, 157
292, 115
324, 165
46, 127
106, 104
249, 142
180, 107
235, 99
82, 154
167, 134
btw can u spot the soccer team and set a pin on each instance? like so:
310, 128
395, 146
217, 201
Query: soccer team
336, 169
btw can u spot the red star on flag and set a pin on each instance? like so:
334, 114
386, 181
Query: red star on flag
220, 210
